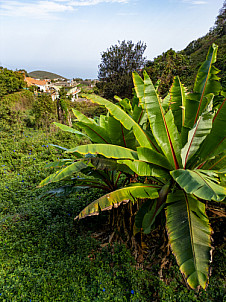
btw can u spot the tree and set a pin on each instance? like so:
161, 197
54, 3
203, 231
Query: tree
117, 65
10, 81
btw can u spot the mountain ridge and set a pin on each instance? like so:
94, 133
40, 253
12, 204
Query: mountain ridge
41, 74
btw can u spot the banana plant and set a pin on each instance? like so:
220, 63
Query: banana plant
189, 143
181, 147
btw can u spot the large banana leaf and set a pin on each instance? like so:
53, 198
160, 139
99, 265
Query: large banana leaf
166, 102
196, 136
110, 165
82, 118
206, 80
69, 129
217, 162
162, 126
124, 118
95, 132
63, 173
177, 102
189, 235
150, 156
114, 199
119, 135
139, 88
109, 151
215, 142
142, 168
200, 183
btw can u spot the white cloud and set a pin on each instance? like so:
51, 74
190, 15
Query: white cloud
45, 8
39, 9
194, 2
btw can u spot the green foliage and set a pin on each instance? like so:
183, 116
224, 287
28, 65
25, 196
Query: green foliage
117, 64
40, 74
88, 108
10, 81
15, 110
173, 137
44, 111
45, 256
165, 67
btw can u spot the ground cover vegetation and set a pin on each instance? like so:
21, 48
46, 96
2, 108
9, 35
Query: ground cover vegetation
177, 144
45, 256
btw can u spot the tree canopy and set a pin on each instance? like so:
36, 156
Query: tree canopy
117, 64
10, 81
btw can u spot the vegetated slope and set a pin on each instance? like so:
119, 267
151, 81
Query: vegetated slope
185, 63
198, 49
40, 74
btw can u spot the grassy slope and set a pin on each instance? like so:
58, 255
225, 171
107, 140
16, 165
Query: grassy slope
45, 256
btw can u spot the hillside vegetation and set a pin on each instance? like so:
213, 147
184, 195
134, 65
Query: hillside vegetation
40, 74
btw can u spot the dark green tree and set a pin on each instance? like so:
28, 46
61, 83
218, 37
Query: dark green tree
117, 64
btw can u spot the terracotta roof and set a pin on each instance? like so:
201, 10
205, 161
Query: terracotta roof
31, 81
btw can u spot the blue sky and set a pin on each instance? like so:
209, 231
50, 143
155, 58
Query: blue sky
68, 36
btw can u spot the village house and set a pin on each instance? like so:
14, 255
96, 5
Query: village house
41, 84
53, 88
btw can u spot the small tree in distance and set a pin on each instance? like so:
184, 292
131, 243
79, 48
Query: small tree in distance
117, 64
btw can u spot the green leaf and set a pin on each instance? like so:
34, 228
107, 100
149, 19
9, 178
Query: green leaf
189, 236
141, 212
206, 80
215, 143
139, 88
59, 163
177, 102
124, 119
110, 165
206, 83
215, 163
114, 199
109, 151
119, 135
150, 216
82, 118
196, 136
63, 173
95, 132
150, 156
199, 183
69, 129
142, 168
166, 102
162, 126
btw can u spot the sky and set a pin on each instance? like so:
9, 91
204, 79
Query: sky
67, 37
